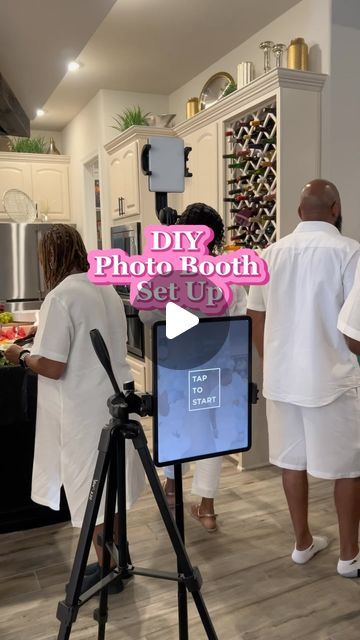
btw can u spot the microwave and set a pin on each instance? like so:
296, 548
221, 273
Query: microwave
126, 237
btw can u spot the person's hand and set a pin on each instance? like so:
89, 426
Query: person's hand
12, 353
32, 331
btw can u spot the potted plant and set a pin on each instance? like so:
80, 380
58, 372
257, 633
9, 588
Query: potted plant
28, 145
130, 117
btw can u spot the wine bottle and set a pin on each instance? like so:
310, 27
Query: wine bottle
237, 154
267, 163
270, 110
234, 192
263, 143
237, 180
270, 197
238, 165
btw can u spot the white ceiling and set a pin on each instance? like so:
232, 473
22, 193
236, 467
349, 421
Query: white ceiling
38, 38
150, 46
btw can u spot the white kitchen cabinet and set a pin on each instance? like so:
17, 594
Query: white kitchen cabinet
51, 190
124, 182
203, 186
14, 175
44, 178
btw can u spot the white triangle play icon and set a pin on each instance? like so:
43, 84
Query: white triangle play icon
178, 320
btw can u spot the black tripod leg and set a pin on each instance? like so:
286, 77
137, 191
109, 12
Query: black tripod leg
121, 542
101, 614
67, 609
179, 517
191, 574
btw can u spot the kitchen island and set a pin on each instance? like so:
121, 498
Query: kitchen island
18, 393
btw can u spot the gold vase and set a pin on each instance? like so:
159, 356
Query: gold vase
192, 107
298, 55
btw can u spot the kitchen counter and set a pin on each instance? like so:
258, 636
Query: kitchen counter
18, 392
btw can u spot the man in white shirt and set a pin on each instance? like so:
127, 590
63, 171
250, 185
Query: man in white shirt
349, 318
311, 380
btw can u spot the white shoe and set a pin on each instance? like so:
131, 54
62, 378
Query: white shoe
318, 544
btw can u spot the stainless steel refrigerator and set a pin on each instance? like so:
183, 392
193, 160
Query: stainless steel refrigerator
21, 280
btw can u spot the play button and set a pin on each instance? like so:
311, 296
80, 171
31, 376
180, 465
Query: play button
178, 320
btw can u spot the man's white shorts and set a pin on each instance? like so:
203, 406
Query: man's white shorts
325, 441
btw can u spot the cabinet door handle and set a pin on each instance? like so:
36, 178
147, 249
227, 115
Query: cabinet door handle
120, 209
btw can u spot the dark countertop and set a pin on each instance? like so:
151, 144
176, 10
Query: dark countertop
18, 395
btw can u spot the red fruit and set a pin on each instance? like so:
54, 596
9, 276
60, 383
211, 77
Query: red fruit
8, 333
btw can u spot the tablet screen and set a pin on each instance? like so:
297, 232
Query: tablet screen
202, 403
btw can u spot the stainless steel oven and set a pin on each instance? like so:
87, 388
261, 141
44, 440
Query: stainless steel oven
127, 238
135, 330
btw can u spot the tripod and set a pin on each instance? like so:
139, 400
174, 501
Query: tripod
110, 465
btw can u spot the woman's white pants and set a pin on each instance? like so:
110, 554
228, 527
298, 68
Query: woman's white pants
206, 476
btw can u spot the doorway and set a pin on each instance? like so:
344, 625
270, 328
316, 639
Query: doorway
93, 199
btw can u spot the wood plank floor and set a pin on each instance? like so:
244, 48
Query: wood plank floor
251, 587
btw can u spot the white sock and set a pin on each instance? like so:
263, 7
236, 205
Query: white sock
349, 568
318, 544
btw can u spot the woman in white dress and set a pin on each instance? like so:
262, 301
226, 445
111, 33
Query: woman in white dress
207, 472
73, 387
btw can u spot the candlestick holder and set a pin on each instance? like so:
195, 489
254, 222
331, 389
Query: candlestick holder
278, 51
267, 46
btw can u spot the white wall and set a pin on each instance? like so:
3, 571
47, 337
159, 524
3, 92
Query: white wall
82, 142
341, 139
310, 19
84, 138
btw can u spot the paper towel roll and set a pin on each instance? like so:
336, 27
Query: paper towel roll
245, 73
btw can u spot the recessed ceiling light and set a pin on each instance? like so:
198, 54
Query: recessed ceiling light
73, 66
39, 113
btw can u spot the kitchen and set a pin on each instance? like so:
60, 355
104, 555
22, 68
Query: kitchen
79, 108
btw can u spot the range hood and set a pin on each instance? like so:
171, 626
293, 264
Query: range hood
13, 119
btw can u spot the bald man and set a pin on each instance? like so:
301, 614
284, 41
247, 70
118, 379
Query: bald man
311, 379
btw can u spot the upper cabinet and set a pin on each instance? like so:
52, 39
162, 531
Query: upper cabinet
44, 178
51, 190
124, 181
14, 175
203, 186
130, 198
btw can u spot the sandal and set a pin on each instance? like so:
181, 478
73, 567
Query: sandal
207, 520
170, 497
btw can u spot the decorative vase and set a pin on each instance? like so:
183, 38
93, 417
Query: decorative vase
245, 74
192, 107
298, 55
267, 46
52, 148
278, 51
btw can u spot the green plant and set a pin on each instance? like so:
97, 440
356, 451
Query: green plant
28, 145
131, 116
229, 89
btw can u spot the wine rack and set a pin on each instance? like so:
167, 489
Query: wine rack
251, 178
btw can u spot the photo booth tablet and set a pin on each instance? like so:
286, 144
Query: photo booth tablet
202, 409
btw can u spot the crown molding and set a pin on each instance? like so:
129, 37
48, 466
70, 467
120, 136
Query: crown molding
134, 133
45, 158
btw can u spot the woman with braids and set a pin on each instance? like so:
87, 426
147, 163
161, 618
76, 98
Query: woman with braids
73, 387
207, 472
